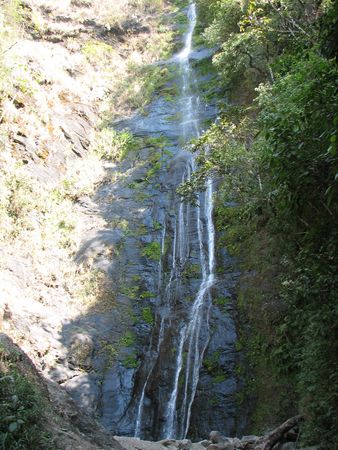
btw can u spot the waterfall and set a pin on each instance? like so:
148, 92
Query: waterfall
190, 336
189, 332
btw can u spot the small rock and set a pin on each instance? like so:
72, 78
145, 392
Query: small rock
216, 437
205, 443
185, 444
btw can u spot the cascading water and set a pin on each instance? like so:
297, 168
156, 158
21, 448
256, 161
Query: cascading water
186, 331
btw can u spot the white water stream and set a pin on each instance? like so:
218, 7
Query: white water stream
192, 334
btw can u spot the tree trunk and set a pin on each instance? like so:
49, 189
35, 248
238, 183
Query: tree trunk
277, 434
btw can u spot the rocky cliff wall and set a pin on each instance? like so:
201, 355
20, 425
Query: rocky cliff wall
87, 241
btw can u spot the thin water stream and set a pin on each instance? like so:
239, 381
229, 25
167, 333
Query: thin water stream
185, 333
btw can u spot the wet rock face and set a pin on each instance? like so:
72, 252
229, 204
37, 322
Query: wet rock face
214, 405
131, 353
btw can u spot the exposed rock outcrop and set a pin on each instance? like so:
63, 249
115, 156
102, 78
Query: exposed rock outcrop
70, 427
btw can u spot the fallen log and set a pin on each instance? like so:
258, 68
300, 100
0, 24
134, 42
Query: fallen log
267, 442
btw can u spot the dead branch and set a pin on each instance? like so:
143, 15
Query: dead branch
276, 435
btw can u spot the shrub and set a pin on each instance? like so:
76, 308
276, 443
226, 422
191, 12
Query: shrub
192, 271
21, 409
130, 361
152, 251
127, 340
147, 315
114, 145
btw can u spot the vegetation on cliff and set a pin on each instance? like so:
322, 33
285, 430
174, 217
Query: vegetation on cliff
274, 150
21, 400
66, 70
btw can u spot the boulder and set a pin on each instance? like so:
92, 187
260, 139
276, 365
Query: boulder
84, 390
80, 351
216, 437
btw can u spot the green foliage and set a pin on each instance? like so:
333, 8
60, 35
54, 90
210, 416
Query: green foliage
139, 88
130, 291
181, 18
295, 114
136, 278
109, 351
214, 367
153, 170
114, 145
242, 52
277, 208
147, 294
191, 271
21, 409
239, 346
130, 361
302, 188
157, 226
26, 206
95, 51
226, 15
219, 378
212, 363
140, 230
223, 149
18, 200
152, 251
147, 315
155, 141
180, 3
214, 400
127, 340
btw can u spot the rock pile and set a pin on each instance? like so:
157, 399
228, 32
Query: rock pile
216, 442
283, 437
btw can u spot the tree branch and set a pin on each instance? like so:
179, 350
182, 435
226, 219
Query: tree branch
251, 64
